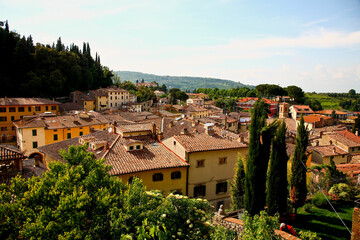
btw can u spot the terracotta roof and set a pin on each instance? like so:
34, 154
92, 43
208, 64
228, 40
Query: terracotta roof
63, 121
329, 112
315, 118
136, 127
329, 150
192, 108
98, 93
246, 99
138, 116
112, 89
179, 126
8, 152
204, 142
53, 149
347, 138
302, 108
351, 169
153, 156
26, 101
116, 118
70, 106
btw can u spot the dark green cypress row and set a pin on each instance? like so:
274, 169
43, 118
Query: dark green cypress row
277, 192
258, 158
237, 188
298, 189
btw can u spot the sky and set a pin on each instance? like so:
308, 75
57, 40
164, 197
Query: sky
313, 44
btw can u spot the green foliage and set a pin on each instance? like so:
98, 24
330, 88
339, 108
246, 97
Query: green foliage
297, 93
44, 71
320, 200
222, 233
270, 90
176, 94
314, 104
277, 185
298, 189
307, 207
237, 189
145, 94
343, 191
260, 226
261, 136
308, 235
183, 83
356, 125
79, 200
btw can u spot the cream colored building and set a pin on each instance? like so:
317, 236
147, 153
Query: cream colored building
116, 97
212, 157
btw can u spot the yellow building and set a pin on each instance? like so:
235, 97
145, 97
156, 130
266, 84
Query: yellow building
212, 158
39, 130
85, 100
197, 112
12, 109
131, 153
101, 100
322, 155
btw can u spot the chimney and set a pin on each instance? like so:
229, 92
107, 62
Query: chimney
209, 130
107, 146
321, 133
334, 150
171, 124
114, 126
160, 136
357, 133
330, 142
91, 129
153, 132
317, 143
185, 131
241, 139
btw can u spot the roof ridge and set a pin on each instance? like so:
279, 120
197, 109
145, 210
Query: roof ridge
107, 151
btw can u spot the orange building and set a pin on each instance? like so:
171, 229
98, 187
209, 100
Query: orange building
12, 109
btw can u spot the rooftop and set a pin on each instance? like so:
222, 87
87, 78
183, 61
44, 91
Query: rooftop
26, 101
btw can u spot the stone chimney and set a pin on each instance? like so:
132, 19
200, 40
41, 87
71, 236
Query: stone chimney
334, 149
330, 142
114, 127
209, 130
241, 139
185, 131
160, 136
171, 124
321, 133
357, 133
317, 143
153, 131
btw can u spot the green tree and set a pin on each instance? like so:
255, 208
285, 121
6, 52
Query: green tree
298, 189
297, 93
352, 93
277, 185
261, 136
237, 189
260, 227
356, 125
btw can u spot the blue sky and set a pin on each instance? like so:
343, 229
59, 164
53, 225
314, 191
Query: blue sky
311, 44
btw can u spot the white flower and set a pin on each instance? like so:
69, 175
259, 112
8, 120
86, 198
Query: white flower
188, 221
163, 215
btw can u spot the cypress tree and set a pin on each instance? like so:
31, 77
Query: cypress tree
298, 190
257, 163
277, 192
237, 188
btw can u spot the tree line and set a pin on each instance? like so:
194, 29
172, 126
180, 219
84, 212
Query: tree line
38, 70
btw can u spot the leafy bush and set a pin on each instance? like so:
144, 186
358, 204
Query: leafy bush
308, 235
343, 191
260, 227
307, 207
320, 200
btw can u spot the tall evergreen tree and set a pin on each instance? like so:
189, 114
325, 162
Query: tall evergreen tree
298, 190
237, 189
277, 192
257, 163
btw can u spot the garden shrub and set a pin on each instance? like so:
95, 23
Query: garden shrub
343, 191
307, 207
320, 200
308, 235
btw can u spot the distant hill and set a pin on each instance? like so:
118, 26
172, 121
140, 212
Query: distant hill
183, 83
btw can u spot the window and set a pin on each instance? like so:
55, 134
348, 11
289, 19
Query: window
200, 163
111, 104
81, 133
35, 145
12, 109
221, 187
29, 109
55, 130
12, 118
68, 135
12, 128
110, 98
222, 160
158, 177
2, 109
176, 175
85, 103
55, 137
343, 156
3, 129
38, 108
46, 108
3, 119
131, 148
53, 107
138, 147
200, 191
34, 132
21, 109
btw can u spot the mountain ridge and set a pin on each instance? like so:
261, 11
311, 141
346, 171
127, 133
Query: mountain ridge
181, 82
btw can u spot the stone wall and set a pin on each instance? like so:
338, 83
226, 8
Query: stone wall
355, 235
